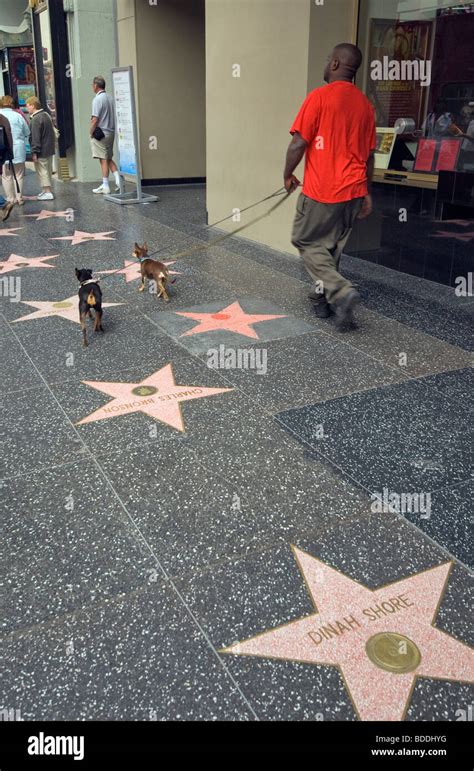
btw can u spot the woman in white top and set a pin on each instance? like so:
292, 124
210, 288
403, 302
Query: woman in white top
20, 133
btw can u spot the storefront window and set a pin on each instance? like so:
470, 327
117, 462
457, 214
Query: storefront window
419, 75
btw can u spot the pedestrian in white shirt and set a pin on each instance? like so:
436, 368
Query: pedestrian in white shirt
102, 135
20, 134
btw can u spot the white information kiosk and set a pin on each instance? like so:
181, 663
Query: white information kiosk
127, 136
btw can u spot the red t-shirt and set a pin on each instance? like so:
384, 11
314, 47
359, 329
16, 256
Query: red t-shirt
338, 122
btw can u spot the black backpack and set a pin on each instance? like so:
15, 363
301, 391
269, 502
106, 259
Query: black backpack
6, 146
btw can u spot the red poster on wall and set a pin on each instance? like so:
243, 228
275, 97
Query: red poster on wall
425, 155
448, 155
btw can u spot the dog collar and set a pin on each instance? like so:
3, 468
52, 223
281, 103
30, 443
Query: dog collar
90, 281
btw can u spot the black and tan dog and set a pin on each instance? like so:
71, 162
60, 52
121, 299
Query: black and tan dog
153, 271
90, 296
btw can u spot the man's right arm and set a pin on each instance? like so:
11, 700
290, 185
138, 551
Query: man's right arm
35, 141
303, 131
294, 154
94, 116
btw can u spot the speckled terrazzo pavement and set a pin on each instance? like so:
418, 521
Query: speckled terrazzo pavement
154, 528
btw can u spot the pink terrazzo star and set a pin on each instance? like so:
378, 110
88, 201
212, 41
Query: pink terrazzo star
131, 270
157, 396
44, 214
458, 236
16, 262
231, 318
67, 309
9, 231
80, 237
348, 615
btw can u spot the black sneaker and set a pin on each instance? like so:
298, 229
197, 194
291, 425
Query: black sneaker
321, 309
344, 310
320, 305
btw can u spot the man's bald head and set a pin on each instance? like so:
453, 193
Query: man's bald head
343, 63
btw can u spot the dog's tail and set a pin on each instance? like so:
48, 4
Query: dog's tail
91, 298
166, 275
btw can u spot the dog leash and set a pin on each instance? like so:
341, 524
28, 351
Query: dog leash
224, 237
278, 192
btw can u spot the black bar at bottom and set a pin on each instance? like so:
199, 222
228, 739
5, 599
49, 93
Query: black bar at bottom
56, 744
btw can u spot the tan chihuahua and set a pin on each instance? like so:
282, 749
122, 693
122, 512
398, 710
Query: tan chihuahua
152, 270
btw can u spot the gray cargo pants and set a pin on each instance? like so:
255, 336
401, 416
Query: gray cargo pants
320, 232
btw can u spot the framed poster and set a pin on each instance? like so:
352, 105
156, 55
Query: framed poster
437, 155
24, 93
448, 155
22, 69
385, 141
124, 114
425, 154
398, 66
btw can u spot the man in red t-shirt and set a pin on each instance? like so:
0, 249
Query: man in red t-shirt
335, 127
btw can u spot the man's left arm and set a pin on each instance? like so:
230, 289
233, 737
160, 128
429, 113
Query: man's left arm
367, 204
370, 170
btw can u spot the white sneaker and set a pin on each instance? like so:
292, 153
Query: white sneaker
101, 190
117, 186
45, 197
